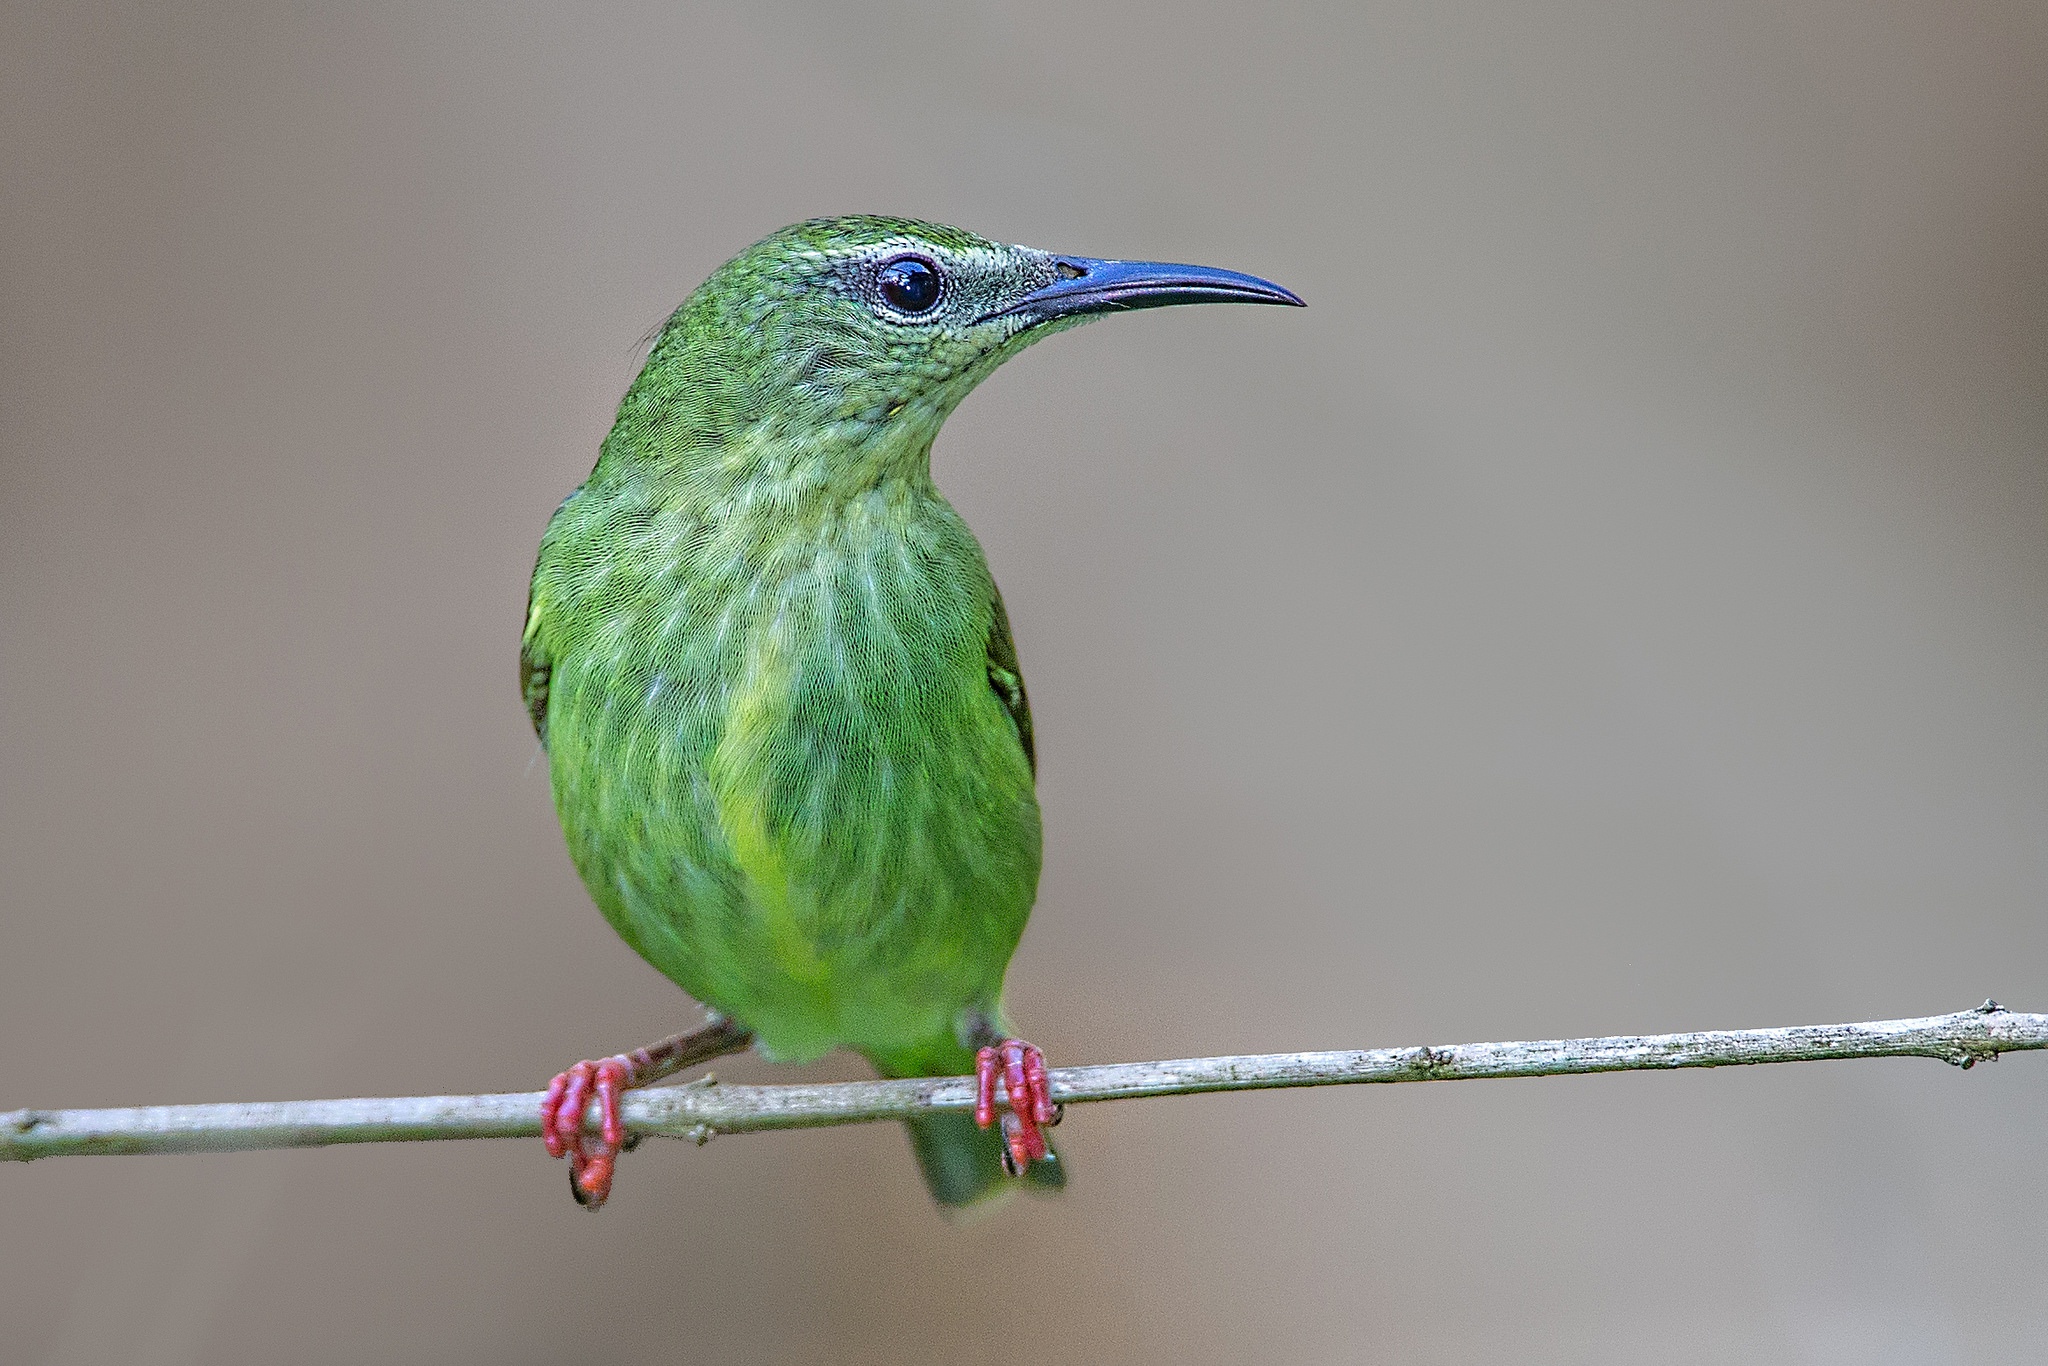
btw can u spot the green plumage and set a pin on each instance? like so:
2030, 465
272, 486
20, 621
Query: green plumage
787, 731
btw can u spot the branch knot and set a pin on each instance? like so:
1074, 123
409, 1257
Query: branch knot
1431, 1063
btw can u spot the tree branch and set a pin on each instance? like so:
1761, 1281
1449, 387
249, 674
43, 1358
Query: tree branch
699, 1109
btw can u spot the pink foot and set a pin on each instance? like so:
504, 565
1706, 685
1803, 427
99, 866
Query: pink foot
1028, 1091
591, 1160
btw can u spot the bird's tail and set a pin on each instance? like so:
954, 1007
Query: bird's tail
963, 1164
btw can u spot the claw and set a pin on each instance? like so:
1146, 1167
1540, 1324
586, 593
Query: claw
590, 1180
1013, 1165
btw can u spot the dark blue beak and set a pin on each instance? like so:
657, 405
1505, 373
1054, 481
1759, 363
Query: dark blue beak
1090, 286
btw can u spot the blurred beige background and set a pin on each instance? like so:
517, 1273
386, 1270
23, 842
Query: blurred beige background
1619, 603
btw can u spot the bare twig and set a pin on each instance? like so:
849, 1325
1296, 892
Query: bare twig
700, 1109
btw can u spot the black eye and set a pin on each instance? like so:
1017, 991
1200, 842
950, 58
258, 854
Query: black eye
910, 284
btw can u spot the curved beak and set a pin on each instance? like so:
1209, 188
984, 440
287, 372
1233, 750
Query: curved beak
1088, 286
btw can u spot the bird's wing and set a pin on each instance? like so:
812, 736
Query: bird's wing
535, 667
1004, 677
536, 660
533, 682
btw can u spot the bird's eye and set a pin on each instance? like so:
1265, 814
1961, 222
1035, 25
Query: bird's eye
909, 284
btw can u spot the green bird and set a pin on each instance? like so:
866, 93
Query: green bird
785, 724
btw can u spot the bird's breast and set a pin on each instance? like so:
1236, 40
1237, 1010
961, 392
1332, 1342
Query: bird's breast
820, 692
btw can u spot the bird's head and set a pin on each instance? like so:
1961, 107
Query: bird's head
831, 351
